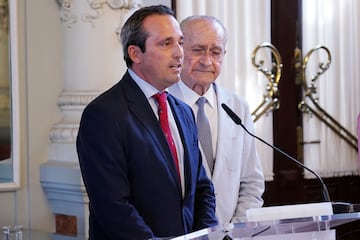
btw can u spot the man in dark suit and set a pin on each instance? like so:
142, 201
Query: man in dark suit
138, 188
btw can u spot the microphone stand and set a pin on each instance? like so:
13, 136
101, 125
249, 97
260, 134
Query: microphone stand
338, 207
238, 121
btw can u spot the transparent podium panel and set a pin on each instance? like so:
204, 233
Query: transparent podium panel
321, 235
317, 227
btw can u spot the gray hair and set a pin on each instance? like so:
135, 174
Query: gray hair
185, 23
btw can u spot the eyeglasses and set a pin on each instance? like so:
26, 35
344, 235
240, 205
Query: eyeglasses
215, 54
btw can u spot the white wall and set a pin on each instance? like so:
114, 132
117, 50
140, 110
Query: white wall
41, 80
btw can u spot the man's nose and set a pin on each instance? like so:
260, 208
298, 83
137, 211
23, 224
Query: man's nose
206, 58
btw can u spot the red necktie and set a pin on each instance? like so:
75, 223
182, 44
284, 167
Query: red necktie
164, 123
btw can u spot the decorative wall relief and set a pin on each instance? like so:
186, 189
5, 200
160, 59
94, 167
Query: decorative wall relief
95, 9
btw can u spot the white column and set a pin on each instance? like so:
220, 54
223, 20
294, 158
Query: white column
93, 61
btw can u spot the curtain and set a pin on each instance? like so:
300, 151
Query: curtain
248, 25
335, 25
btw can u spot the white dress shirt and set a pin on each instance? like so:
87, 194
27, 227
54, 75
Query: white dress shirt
190, 97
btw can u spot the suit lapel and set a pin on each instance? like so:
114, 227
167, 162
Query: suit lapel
183, 126
224, 135
139, 106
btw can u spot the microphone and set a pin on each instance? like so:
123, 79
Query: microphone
238, 121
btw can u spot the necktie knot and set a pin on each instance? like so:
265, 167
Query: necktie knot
160, 96
201, 102
161, 99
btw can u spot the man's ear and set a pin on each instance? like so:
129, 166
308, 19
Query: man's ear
135, 53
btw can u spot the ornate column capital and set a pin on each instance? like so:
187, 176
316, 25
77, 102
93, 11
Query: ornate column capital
92, 9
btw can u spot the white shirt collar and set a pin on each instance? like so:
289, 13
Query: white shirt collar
148, 89
190, 97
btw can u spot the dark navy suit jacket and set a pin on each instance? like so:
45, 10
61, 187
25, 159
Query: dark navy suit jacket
129, 173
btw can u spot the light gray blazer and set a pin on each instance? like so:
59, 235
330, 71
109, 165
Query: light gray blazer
238, 177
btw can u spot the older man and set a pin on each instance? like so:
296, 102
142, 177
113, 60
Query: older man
231, 158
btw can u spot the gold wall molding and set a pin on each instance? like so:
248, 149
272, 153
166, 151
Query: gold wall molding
4, 15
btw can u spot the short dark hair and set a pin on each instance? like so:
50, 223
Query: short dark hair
133, 33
